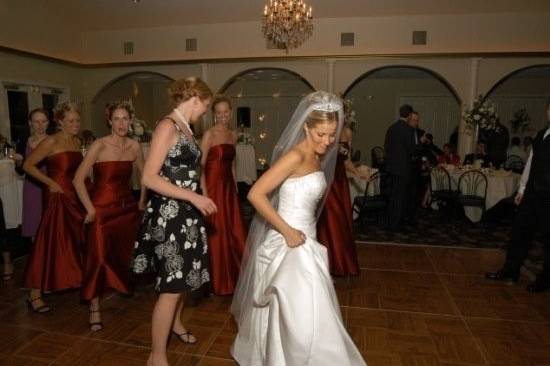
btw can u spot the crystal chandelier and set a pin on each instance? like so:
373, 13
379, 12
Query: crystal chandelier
287, 23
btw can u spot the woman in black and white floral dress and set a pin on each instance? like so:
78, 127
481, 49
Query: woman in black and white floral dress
172, 242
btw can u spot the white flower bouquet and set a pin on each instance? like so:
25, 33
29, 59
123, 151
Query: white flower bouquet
482, 114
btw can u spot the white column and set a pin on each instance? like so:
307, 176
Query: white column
204, 72
466, 141
330, 74
206, 119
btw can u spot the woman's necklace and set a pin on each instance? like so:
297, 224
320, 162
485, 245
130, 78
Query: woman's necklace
183, 120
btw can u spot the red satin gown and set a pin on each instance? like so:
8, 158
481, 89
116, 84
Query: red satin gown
54, 262
111, 236
226, 230
335, 225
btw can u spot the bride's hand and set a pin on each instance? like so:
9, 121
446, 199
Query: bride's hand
294, 238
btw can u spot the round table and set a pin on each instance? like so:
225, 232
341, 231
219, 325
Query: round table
501, 184
11, 193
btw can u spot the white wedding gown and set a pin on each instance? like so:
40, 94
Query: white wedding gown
296, 320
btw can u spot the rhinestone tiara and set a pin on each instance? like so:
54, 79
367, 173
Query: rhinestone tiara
326, 102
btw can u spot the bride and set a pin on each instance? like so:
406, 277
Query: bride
285, 305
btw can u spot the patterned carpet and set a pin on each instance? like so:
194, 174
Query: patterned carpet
442, 229
452, 229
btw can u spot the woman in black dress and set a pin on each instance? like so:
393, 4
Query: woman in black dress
172, 241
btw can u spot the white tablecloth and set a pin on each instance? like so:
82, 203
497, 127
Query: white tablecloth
500, 185
11, 193
246, 163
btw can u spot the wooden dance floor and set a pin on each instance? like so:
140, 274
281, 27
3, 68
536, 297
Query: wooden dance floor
411, 306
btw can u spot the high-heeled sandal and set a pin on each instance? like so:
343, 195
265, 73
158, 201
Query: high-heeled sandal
44, 308
98, 325
185, 337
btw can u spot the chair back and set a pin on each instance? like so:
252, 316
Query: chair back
514, 163
377, 156
356, 156
440, 180
374, 182
472, 187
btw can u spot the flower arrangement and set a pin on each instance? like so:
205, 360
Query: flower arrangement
138, 127
349, 114
482, 114
244, 137
520, 121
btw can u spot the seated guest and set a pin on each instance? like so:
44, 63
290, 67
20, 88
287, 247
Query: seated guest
448, 156
480, 154
429, 144
517, 150
497, 140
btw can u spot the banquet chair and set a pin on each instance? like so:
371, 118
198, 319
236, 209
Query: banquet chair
377, 157
440, 185
514, 163
472, 189
373, 200
356, 156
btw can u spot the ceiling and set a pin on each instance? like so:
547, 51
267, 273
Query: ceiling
97, 15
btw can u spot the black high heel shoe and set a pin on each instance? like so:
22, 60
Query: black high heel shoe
44, 308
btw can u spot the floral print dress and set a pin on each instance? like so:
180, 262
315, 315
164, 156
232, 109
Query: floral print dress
172, 239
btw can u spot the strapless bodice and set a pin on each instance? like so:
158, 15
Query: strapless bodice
298, 201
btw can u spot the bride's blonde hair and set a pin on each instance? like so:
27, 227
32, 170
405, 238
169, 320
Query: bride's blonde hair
316, 117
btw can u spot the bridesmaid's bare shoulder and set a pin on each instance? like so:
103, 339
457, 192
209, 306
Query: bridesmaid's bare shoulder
48, 142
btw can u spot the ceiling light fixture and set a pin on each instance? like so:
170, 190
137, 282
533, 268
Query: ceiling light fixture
287, 23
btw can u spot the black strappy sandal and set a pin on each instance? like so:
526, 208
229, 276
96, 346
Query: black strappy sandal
98, 324
44, 308
185, 337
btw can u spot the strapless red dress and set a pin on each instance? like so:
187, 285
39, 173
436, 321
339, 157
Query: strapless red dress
335, 225
111, 236
54, 262
226, 230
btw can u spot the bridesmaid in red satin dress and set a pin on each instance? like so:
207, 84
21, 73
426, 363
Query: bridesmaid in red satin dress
54, 262
112, 215
335, 225
226, 230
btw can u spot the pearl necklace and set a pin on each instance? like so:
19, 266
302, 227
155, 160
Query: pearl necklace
182, 118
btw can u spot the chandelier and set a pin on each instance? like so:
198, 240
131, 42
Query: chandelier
287, 23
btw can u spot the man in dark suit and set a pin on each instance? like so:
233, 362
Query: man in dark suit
400, 145
416, 156
480, 154
497, 144
533, 198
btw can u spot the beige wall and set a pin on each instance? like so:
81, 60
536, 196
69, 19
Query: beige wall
374, 35
84, 83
